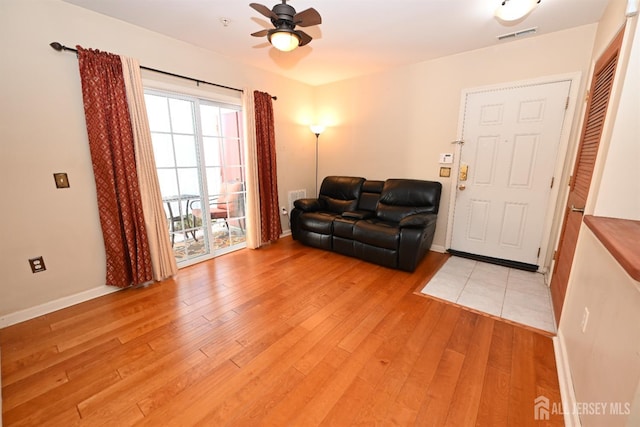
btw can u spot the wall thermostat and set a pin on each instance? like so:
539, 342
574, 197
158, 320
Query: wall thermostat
446, 158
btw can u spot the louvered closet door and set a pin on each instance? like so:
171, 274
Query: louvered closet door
601, 85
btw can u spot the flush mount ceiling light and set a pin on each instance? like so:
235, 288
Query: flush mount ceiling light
512, 10
284, 18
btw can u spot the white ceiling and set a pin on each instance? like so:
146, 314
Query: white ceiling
356, 37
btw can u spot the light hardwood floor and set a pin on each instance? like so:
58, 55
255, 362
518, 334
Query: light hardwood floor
285, 335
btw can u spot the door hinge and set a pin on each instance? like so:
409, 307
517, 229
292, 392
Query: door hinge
566, 105
586, 97
570, 179
538, 252
553, 178
555, 255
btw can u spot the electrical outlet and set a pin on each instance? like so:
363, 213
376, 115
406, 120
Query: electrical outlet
37, 264
585, 320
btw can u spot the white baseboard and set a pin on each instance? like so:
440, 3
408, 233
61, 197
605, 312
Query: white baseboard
285, 233
51, 306
567, 393
438, 248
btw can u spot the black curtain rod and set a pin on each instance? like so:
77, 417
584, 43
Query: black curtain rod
60, 47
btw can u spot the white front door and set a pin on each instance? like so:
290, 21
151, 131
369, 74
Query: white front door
511, 138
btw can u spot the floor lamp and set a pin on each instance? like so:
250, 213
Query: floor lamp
317, 130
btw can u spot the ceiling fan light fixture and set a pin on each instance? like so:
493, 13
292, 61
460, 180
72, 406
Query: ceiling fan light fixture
284, 18
284, 40
512, 10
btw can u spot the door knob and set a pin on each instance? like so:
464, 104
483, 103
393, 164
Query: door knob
462, 187
574, 209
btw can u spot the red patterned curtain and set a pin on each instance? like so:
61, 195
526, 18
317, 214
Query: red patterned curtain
114, 167
267, 173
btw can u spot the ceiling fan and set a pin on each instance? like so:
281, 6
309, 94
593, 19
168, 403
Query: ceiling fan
284, 18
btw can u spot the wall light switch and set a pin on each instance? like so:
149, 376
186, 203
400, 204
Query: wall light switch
446, 158
445, 172
585, 320
62, 180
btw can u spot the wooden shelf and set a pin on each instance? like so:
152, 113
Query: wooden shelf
621, 237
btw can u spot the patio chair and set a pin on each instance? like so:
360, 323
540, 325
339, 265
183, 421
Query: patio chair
228, 205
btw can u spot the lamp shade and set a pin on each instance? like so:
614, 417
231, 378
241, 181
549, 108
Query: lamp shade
284, 40
512, 10
317, 129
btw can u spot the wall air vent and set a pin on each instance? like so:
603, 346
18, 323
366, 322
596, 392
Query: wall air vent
295, 195
518, 33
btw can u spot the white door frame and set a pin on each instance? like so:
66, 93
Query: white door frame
565, 134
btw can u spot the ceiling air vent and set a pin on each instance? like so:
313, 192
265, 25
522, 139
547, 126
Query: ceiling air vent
518, 33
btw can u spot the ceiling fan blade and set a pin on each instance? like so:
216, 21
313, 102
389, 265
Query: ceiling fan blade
307, 18
304, 37
264, 10
260, 33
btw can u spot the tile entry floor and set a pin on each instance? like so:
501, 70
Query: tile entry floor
516, 295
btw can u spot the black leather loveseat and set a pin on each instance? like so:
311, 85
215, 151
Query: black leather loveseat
390, 222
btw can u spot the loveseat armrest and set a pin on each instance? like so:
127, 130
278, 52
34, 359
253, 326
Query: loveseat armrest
359, 214
423, 220
309, 205
416, 236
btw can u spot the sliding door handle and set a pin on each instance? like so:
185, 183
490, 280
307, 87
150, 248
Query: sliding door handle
574, 209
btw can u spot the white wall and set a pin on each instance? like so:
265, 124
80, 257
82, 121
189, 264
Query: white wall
394, 124
605, 359
42, 131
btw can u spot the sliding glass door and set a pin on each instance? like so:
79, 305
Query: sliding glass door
199, 152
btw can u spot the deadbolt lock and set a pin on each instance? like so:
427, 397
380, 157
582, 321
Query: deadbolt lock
462, 176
